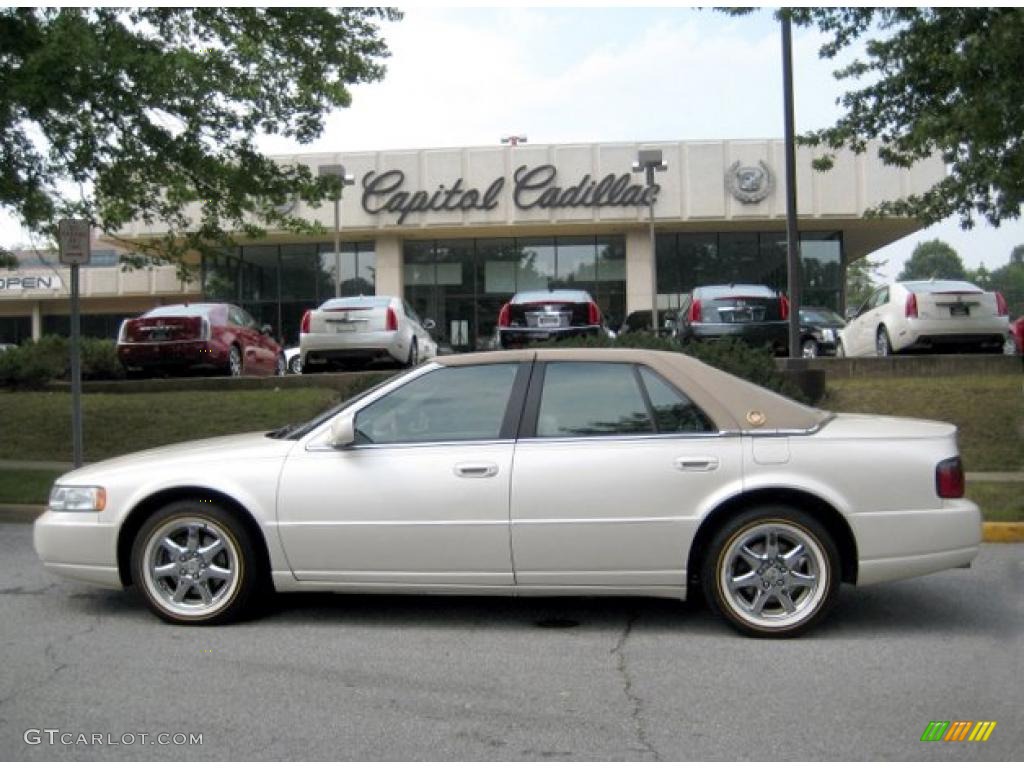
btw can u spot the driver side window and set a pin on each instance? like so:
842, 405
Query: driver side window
457, 403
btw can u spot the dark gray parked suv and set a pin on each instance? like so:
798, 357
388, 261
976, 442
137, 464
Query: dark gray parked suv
754, 313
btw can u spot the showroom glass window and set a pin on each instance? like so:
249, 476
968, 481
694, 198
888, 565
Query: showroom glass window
448, 404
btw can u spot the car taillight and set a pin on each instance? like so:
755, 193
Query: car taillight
1001, 309
949, 478
784, 307
695, 311
503, 315
392, 320
910, 308
304, 326
593, 314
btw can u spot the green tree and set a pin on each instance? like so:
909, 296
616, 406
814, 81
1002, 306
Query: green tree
1009, 281
1017, 254
933, 259
862, 277
932, 80
118, 115
8, 260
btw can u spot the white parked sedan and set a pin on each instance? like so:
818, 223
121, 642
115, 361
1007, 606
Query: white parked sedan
533, 472
363, 329
926, 315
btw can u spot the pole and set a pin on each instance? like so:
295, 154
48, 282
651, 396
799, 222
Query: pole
76, 372
792, 234
337, 245
654, 253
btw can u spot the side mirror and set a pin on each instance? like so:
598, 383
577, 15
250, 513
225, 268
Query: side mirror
343, 432
267, 330
851, 312
429, 325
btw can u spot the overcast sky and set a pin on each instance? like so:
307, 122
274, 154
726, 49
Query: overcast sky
467, 76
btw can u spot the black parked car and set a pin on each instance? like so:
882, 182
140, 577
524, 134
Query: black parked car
754, 313
543, 315
819, 331
640, 321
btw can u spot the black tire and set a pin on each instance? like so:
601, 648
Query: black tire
809, 348
188, 567
281, 367
883, 344
809, 581
295, 366
235, 361
414, 354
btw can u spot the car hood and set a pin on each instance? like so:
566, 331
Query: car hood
208, 452
863, 425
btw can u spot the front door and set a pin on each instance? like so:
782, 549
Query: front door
422, 498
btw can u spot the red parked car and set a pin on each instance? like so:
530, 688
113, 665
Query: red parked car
1015, 339
220, 338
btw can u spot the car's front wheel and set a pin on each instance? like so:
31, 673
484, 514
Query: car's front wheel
840, 349
809, 348
295, 365
234, 361
195, 564
771, 572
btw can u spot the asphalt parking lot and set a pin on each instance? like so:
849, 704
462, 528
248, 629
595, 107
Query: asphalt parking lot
384, 678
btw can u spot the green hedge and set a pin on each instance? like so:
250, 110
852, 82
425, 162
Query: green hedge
34, 364
755, 364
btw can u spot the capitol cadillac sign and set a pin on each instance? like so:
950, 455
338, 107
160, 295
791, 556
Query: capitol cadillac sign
531, 188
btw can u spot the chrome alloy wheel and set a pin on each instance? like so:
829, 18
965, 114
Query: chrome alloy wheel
773, 575
191, 567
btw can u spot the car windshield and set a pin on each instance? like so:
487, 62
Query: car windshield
820, 317
296, 431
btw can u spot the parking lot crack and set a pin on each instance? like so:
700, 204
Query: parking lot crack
629, 689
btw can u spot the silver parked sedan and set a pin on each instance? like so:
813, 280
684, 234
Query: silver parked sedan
533, 472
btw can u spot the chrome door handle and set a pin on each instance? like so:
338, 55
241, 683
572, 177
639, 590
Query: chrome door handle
476, 470
696, 463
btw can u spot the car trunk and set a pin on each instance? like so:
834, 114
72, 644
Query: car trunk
167, 328
741, 309
957, 305
347, 318
550, 314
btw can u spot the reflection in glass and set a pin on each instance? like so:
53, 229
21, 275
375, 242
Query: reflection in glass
591, 399
536, 263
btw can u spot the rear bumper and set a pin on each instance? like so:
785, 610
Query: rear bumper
520, 337
899, 545
774, 335
352, 346
182, 354
994, 341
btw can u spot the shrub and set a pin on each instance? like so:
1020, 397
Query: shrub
35, 364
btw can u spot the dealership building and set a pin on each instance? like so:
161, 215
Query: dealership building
458, 231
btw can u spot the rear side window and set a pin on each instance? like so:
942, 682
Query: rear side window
591, 399
673, 411
457, 403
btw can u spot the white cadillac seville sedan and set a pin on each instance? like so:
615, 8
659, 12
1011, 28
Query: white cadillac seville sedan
531, 472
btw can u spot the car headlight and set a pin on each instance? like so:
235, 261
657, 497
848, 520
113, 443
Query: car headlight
828, 334
78, 498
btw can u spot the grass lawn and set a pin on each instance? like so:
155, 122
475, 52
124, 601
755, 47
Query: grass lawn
26, 486
989, 410
37, 425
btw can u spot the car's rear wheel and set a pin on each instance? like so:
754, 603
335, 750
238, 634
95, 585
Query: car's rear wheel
195, 564
771, 572
234, 361
281, 367
414, 354
883, 345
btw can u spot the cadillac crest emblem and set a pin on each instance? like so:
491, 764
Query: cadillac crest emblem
750, 183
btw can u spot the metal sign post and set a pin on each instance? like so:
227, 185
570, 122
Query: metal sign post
75, 240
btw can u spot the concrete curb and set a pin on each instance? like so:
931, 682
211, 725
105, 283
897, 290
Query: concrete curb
1003, 533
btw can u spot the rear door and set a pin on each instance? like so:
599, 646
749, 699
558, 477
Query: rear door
612, 470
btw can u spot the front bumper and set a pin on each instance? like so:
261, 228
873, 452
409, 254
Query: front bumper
78, 545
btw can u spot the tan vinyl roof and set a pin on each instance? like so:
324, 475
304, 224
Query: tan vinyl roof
731, 403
